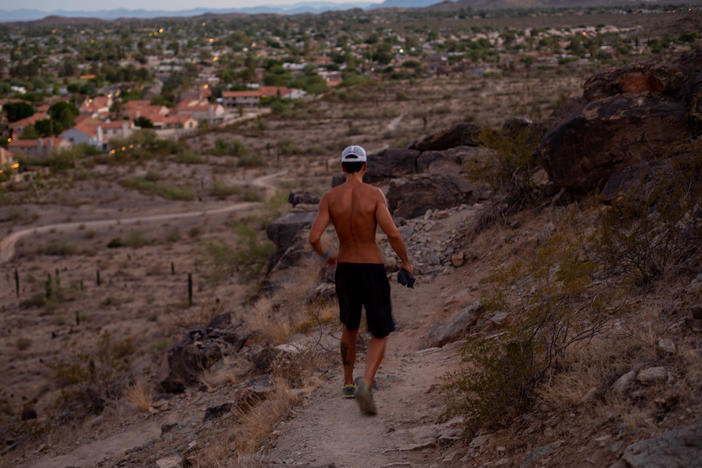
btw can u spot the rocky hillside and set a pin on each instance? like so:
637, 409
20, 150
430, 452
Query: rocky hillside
556, 318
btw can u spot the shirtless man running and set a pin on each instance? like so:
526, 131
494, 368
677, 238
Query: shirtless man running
356, 209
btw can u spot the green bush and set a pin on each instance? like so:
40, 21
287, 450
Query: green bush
229, 147
246, 257
174, 192
511, 170
115, 243
59, 248
564, 305
187, 156
657, 225
251, 160
136, 239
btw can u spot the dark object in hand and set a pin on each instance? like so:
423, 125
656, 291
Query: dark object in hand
405, 278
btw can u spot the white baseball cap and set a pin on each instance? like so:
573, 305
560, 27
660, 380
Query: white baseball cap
353, 153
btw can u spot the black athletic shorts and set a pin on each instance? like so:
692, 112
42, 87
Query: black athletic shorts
364, 284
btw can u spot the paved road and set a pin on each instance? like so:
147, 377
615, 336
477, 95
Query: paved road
7, 245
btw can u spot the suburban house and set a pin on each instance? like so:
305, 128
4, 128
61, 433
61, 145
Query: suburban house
41, 147
5, 157
87, 132
241, 98
16, 128
174, 121
251, 98
117, 128
202, 111
143, 108
97, 106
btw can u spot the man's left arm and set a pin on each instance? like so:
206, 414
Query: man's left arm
318, 226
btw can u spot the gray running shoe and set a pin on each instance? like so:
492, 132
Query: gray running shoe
364, 397
349, 391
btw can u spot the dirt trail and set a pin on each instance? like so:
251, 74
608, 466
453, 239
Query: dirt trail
7, 245
330, 429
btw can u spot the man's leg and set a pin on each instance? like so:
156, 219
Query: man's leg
376, 351
348, 353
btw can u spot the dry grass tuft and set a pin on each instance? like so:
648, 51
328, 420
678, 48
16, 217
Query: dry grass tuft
258, 423
228, 372
588, 365
140, 394
268, 321
194, 316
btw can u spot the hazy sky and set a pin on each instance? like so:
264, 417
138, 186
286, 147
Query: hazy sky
52, 5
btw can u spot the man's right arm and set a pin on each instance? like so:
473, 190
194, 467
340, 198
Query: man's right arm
382, 215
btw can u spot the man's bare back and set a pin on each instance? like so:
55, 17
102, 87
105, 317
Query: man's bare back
356, 209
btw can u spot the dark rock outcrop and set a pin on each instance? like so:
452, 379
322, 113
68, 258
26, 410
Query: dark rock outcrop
390, 163
460, 134
441, 333
677, 447
297, 197
285, 230
193, 353
627, 116
610, 134
413, 196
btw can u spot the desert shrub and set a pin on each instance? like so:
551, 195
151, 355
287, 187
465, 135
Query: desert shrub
288, 147
140, 394
59, 248
565, 305
233, 147
187, 156
511, 170
99, 369
251, 160
174, 191
136, 239
656, 225
247, 256
152, 183
23, 343
116, 243
221, 190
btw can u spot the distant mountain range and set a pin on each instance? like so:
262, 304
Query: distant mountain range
306, 7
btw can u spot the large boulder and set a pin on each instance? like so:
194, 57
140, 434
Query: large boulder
390, 163
627, 116
298, 197
460, 134
609, 134
286, 230
192, 354
412, 196
676, 447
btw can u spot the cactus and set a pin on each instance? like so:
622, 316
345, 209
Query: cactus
81, 285
48, 285
77, 318
58, 279
190, 290
17, 282
97, 277
172, 268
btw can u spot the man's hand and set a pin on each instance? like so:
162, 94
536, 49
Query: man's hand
408, 267
330, 262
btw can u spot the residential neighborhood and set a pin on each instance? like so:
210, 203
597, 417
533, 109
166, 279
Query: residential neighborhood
68, 83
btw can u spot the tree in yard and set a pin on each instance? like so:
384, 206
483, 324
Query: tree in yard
63, 116
18, 110
143, 122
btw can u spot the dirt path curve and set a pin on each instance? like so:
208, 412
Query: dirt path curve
7, 245
395, 122
330, 429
